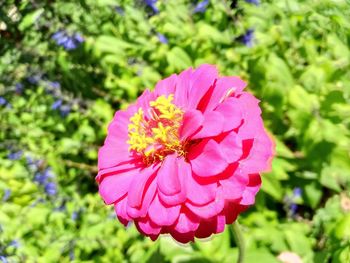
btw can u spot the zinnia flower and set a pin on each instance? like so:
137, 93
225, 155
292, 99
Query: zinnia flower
186, 158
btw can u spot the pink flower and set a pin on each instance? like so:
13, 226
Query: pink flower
186, 158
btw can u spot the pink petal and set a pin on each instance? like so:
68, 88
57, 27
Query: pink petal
192, 121
120, 210
224, 87
144, 100
231, 113
232, 188
111, 155
213, 124
183, 172
140, 183
200, 193
202, 79
182, 87
212, 225
203, 157
251, 189
113, 187
168, 177
231, 212
148, 196
120, 168
187, 222
161, 214
118, 128
259, 156
231, 147
249, 105
166, 86
220, 223
147, 227
211, 209
116, 149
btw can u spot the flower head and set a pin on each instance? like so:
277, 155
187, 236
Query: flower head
7, 194
34, 79
255, 2
186, 158
152, 5
69, 42
15, 155
3, 101
163, 39
19, 87
201, 6
247, 38
56, 104
50, 188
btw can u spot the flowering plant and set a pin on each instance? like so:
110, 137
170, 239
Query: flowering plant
186, 158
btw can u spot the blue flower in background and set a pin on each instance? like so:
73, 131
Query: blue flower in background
75, 215
42, 178
152, 5
65, 110
71, 255
201, 6
3, 259
33, 165
293, 209
3, 101
50, 189
19, 87
60, 37
15, 155
69, 42
162, 38
78, 38
54, 84
119, 10
247, 38
7, 195
14, 243
56, 104
62, 207
297, 192
48, 173
255, 2
291, 201
34, 79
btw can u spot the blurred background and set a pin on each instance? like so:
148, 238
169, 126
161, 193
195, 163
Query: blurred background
67, 66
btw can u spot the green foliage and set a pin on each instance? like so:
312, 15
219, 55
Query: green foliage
57, 100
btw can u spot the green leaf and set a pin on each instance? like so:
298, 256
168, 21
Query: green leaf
178, 59
272, 186
342, 229
30, 18
261, 256
313, 194
297, 240
330, 178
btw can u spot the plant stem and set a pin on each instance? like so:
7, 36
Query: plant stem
237, 233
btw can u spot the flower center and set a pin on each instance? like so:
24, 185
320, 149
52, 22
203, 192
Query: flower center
156, 135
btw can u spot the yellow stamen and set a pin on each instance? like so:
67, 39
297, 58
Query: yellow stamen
158, 135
